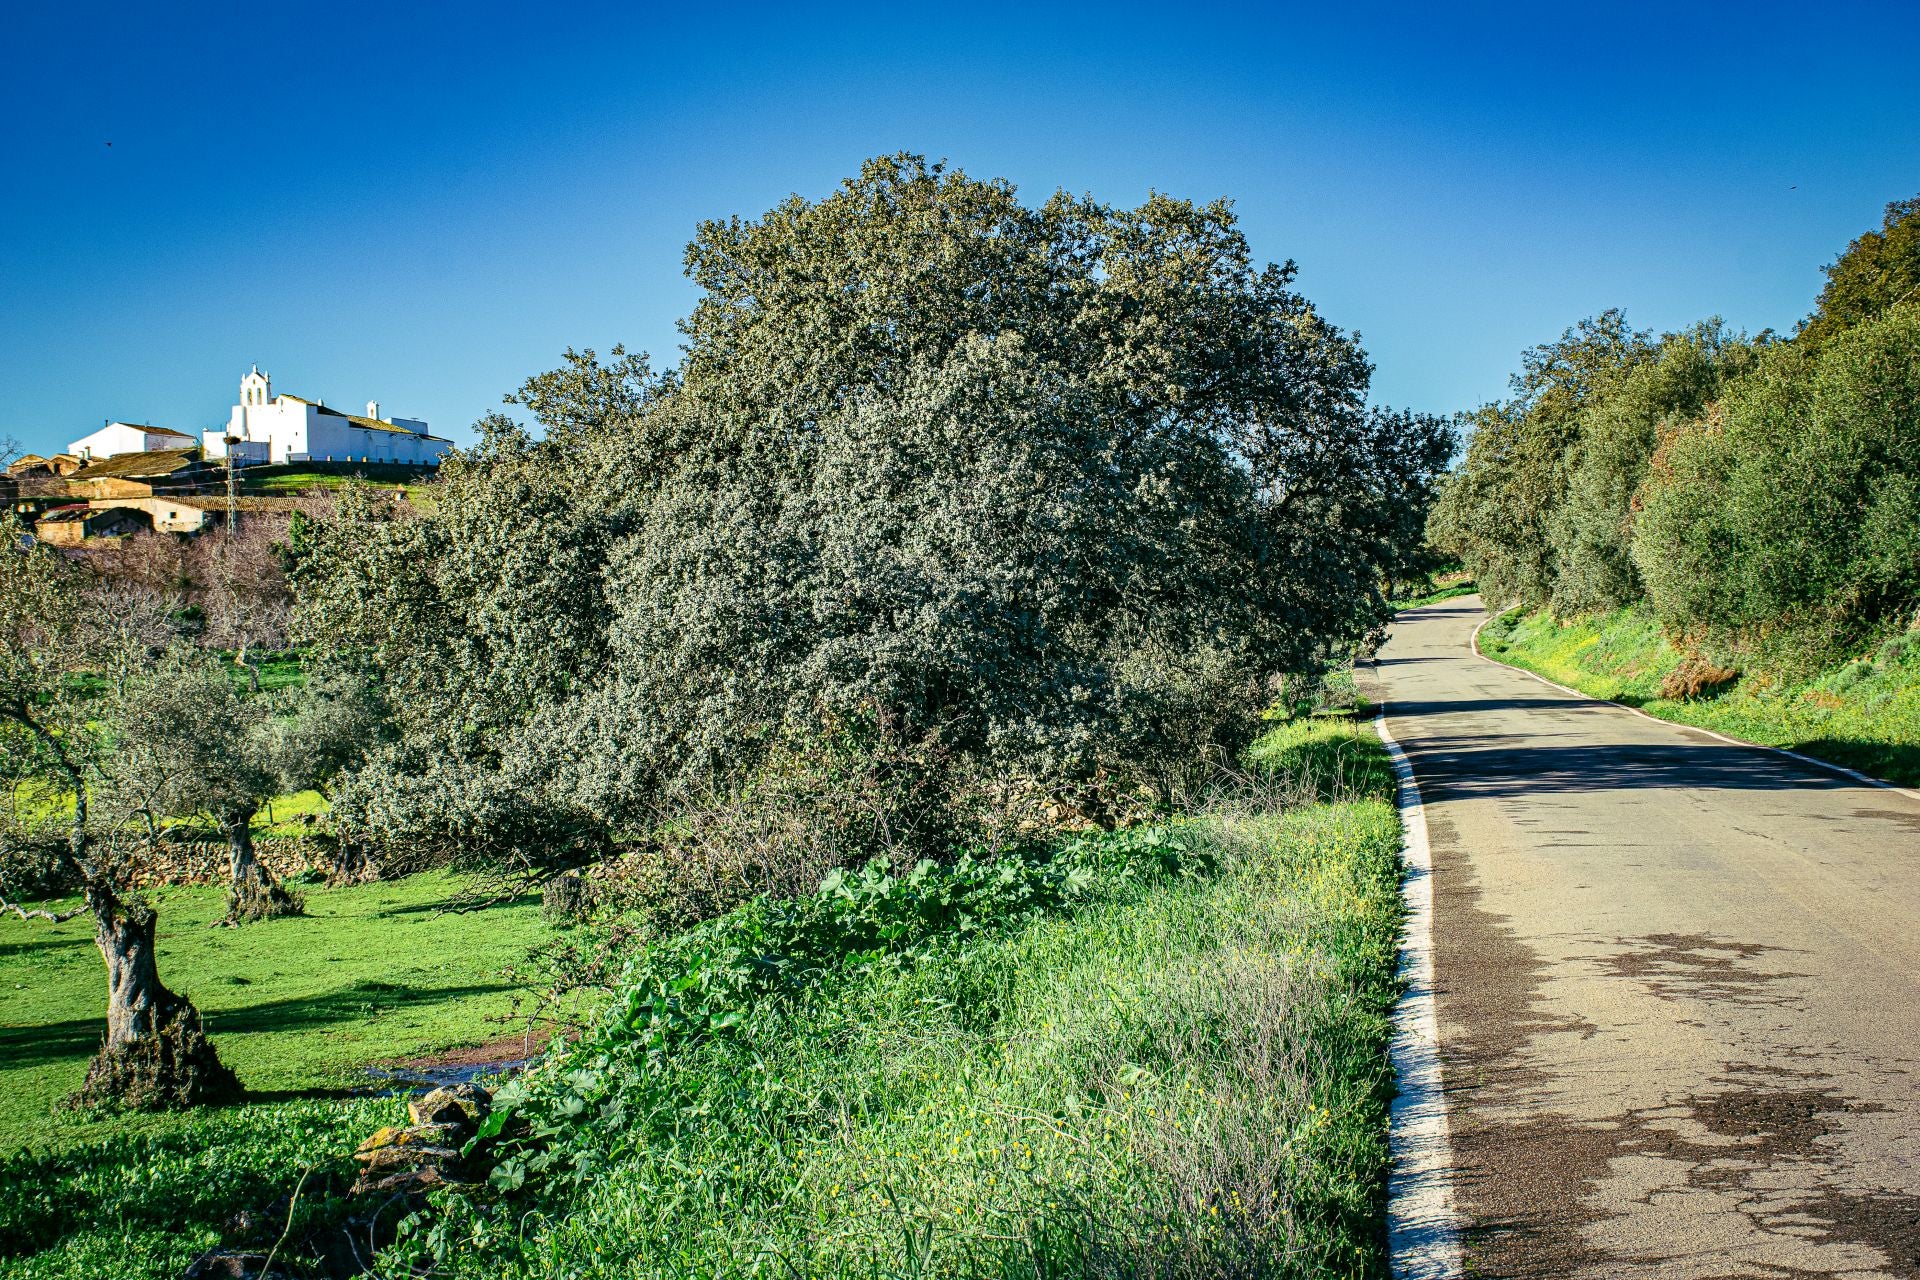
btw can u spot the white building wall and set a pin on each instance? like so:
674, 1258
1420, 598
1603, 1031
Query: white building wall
288, 429
125, 437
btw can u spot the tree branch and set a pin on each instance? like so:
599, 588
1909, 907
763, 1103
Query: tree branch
37, 913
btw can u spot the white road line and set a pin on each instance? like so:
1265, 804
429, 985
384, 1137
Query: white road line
1423, 1230
1473, 642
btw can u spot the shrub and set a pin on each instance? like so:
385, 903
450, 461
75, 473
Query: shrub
1696, 677
1789, 522
567, 899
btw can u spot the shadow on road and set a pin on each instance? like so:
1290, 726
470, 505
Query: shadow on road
1473, 766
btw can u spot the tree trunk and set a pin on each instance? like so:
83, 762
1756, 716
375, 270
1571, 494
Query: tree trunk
155, 1056
253, 672
253, 894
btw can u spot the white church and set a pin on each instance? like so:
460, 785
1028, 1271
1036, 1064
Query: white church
269, 428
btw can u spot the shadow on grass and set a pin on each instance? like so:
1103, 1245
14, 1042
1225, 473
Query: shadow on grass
362, 1000
80, 1037
459, 906
1333, 769
1896, 762
41, 944
51, 1041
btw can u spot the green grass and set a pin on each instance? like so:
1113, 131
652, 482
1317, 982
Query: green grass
291, 479
1864, 714
1441, 591
1326, 755
1183, 1073
1155, 1052
298, 1004
279, 816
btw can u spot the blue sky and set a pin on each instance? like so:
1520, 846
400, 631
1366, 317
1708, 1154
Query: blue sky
423, 205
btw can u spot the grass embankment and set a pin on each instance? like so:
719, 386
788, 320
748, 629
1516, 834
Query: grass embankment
1161, 1051
1156, 1052
1864, 714
294, 1005
292, 479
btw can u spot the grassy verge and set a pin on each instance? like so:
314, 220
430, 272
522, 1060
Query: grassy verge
295, 1005
1165, 1056
1441, 591
1864, 714
292, 479
1155, 1052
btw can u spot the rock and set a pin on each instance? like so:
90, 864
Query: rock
412, 1160
452, 1104
410, 1182
385, 1135
407, 1156
233, 1264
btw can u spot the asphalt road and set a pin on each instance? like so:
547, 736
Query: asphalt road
1678, 984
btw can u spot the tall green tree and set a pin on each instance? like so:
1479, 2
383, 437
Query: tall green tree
1786, 524
1036, 482
1591, 531
1497, 511
1879, 270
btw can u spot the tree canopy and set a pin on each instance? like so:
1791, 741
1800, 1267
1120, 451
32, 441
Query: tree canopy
1034, 483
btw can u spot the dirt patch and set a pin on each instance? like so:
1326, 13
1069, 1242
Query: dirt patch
506, 1051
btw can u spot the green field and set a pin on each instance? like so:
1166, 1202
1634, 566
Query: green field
1181, 1070
1864, 714
1171, 1056
294, 1005
291, 479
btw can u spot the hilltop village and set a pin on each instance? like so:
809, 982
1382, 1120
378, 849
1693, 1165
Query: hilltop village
130, 477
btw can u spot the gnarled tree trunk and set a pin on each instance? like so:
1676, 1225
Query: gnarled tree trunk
155, 1056
253, 893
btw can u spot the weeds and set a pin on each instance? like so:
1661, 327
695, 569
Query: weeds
1155, 1052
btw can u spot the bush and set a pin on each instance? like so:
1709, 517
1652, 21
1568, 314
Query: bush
1695, 677
567, 899
1788, 523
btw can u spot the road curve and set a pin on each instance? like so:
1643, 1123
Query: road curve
1678, 984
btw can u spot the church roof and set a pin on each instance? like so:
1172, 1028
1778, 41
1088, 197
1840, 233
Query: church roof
370, 424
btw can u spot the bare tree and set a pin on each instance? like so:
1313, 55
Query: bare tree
238, 580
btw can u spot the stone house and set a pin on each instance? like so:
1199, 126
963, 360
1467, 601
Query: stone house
71, 525
33, 466
167, 513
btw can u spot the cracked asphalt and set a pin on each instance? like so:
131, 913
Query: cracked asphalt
1678, 984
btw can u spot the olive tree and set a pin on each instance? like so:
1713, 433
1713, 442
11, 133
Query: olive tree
64, 779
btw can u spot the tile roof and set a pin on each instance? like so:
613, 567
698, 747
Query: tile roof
370, 424
158, 462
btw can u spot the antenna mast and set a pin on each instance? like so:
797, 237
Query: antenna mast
233, 485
